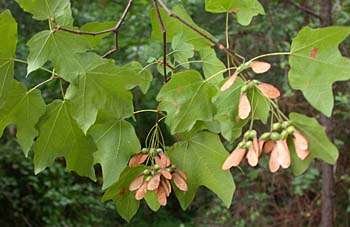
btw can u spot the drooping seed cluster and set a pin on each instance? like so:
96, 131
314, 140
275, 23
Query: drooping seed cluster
158, 176
272, 143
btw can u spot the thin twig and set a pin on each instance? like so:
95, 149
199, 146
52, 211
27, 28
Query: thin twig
115, 30
162, 27
219, 45
306, 10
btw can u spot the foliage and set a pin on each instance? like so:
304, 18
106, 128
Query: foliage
89, 123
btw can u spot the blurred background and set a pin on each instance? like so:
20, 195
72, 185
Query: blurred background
57, 198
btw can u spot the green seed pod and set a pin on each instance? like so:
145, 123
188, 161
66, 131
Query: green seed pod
146, 172
290, 130
169, 169
247, 135
152, 151
241, 144
144, 150
244, 89
286, 124
156, 167
252, 134
265, 136
275, 136
148, 178
159, 150
284, 134
248, 144
276, 126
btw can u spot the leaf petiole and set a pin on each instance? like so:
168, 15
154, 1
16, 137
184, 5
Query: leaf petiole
269, 55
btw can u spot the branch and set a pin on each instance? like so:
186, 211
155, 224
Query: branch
115, 30
162, 27
306, 10
219, 45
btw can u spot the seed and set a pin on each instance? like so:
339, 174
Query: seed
248, 144
144, 150
286, 124
265, 136
275, 136
276, 126
290, 130
284, 134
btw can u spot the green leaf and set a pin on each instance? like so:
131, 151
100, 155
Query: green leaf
187, 99
8, 40
59, 10
124, 199
102, 86
316, 64
246, 9
182, 50
319, 144
60, 136
95, 27
190, 36
201, 158
24, 110
260, 105
212, 65
152, 200
142, 77
60, 48
116, 141
226, 103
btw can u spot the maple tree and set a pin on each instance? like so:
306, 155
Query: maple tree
91, 123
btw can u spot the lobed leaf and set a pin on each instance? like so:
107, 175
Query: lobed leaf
104, 86
59, 10
60, 48
316, 63
24, 110
60, 136
245, 9
116, 141
187, 99
201, 158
